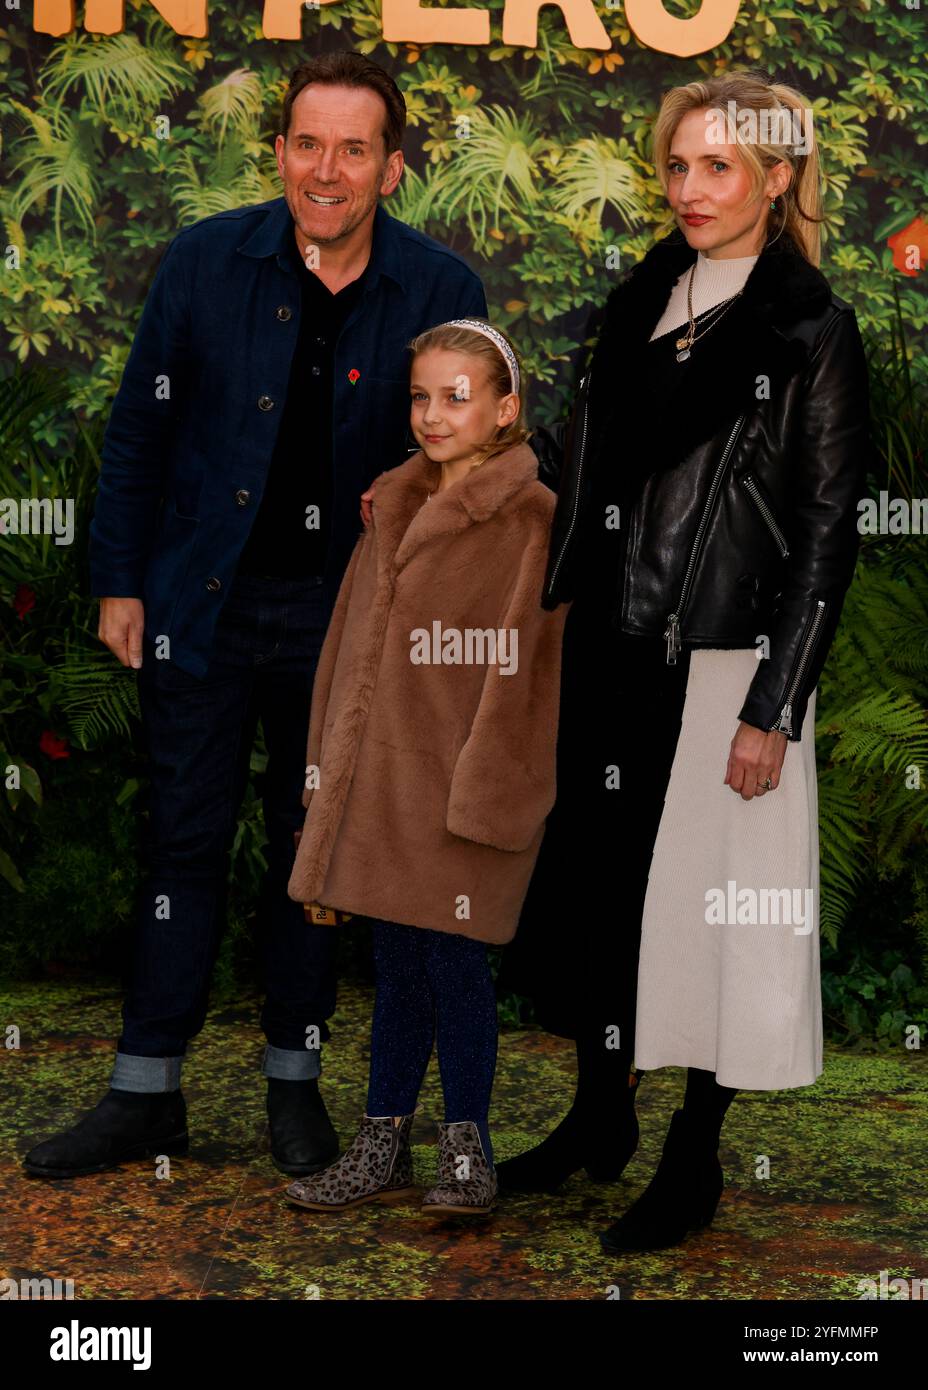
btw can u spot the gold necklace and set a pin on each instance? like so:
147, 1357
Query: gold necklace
719, 311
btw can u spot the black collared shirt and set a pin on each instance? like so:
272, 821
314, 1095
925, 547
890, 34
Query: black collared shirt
300, 471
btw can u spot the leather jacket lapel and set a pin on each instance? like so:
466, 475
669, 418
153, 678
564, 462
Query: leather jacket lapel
752, 348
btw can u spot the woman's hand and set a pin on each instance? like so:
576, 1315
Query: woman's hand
755, 756
367, 514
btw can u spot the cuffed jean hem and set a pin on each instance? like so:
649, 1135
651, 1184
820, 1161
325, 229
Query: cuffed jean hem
151, 1074
288, 1065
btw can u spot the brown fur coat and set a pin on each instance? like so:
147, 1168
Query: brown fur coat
435, 779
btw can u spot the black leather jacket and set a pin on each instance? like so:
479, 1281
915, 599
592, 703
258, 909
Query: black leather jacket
747, 526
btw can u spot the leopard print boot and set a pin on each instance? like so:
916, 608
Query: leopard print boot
466, 1181
376, 1167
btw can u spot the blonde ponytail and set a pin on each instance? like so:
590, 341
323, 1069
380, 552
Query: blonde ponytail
802, 202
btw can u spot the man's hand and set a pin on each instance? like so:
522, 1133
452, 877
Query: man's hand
122, 621
755, 756
367, 514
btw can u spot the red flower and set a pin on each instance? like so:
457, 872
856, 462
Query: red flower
353, 375
53, 746
913, 237
23, 600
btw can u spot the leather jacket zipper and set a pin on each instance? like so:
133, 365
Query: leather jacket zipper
584, 381
672, 631
766, 513
784, 724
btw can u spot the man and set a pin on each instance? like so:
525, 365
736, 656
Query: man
266, 387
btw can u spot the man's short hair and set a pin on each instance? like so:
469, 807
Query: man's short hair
350, 70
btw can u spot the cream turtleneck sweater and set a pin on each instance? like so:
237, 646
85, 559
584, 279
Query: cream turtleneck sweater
713, 281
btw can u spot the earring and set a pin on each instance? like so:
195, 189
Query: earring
773, 204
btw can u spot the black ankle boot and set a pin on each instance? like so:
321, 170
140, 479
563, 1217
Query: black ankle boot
303, 1139
602, 1142
681, 1197
123, 1126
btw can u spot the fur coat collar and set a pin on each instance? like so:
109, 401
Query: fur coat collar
408, 512
756, 338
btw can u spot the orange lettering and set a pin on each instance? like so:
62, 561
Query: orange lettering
406, 21
282, 19
520, 23
650, 22
109, 16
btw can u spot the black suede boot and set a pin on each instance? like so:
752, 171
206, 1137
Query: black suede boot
303, 1139
123, 1126
600, 1137
681, 1197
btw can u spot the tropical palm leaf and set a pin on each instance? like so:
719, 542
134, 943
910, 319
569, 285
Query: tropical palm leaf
413, 196
57, 156
115, 73
893, 630
840, 836
97, 696
901, 823
26, 397
494, 170
592, 173
225, 181
898, 411
235, 101
882, 729
869, 743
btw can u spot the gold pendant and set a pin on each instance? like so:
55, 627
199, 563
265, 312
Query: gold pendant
683, 342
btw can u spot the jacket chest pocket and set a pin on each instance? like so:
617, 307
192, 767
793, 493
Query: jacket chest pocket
764, 509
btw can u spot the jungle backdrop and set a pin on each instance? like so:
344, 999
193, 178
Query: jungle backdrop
535, 165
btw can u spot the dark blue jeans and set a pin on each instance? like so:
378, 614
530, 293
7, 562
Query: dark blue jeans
432, 986
199, 734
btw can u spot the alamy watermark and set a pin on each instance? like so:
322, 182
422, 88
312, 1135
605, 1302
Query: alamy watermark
469, 646
772, 125
733, 906
77, 1343
892, 516
38, 516
36, 1288
884, 1287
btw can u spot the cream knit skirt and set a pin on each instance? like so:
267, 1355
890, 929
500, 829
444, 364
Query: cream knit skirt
728, 976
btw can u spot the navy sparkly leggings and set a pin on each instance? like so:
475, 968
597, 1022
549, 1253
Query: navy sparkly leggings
432, 985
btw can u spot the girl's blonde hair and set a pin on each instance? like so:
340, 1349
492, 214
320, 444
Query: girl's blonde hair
456, 339
799, 209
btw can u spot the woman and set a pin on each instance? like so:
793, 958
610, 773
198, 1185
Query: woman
706, 531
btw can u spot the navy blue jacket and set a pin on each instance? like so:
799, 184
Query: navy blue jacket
192, 429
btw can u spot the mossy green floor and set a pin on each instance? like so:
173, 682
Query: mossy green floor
845, 1197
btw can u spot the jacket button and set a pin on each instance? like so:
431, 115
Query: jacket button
265, 403
214, 584
284, 312
242, 496
317, 371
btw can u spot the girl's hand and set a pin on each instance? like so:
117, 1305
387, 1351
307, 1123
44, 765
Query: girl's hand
367, 514
755, 755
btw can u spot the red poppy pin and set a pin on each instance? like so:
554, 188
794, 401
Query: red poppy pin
354, 375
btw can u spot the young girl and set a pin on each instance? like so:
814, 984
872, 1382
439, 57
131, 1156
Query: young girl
431, 758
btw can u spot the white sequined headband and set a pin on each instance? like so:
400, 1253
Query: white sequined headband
495, 337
